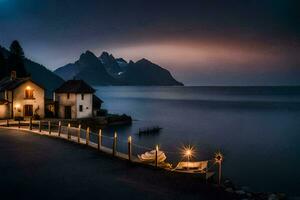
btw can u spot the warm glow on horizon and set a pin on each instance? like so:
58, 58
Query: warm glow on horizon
200, 55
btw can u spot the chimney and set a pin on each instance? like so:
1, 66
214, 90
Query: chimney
13, 75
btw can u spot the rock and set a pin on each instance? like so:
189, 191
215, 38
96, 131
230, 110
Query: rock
273, 197
240, 192
282, 196
229, 190
249, 194
246, 188
228, 184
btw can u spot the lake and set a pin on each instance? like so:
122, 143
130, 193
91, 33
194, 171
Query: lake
256, 128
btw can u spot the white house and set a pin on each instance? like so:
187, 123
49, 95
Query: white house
76, 99
21, 97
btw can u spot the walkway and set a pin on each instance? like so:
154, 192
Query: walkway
40, 167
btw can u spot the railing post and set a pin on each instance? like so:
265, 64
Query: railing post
129, 148
49, 127
156, 156
68, 131
115, 144
30, 123
7, 122
99, 139
78, 133
59, 128
19, 124
87, 136
40, 126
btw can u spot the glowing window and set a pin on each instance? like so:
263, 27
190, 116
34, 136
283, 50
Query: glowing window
28, 93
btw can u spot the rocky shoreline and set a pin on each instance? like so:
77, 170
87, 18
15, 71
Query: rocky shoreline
245, 193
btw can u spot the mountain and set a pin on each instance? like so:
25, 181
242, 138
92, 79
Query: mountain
88, 68
68, 71
40, 74
107, 70
110, 63
144, 72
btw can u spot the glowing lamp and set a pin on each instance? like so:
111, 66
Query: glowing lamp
188, 151
28, 88
218, 157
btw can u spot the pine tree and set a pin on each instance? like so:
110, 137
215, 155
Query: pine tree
16, 59
3, 66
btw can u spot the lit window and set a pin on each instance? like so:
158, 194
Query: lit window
80, 108
82, 96
28, 93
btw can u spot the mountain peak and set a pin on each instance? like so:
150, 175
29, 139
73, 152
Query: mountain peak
106, 57
88, 53
110, 63
144, 60
104, 53
88, 56
107, 70
121, 60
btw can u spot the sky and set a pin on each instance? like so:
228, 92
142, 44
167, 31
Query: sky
213, 42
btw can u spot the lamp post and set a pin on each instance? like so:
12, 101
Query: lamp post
188, 152
156, 155
129, 148
188, 155
219, 159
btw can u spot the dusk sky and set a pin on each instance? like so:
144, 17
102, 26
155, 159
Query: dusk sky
201, 42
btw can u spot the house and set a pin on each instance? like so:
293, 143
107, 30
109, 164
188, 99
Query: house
76, 99
21, 98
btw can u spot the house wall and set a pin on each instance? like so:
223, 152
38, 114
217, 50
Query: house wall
9, 95
64, 101
87, 105
19, 100
4, 114
4, 111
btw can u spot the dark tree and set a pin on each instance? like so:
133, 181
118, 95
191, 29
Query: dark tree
3, 66
16, 59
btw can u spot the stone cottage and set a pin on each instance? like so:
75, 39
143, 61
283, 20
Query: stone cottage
21, 98
76, 99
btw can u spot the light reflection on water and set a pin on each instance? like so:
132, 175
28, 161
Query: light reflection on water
256, 128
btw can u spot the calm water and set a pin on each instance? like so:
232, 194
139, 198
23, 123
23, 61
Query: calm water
257, 129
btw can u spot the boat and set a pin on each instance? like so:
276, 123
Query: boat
149, 156
195, 166
149, 130
199, 167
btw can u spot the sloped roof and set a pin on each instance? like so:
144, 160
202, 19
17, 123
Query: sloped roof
97, 102
9, 84
3, 101
75, 86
